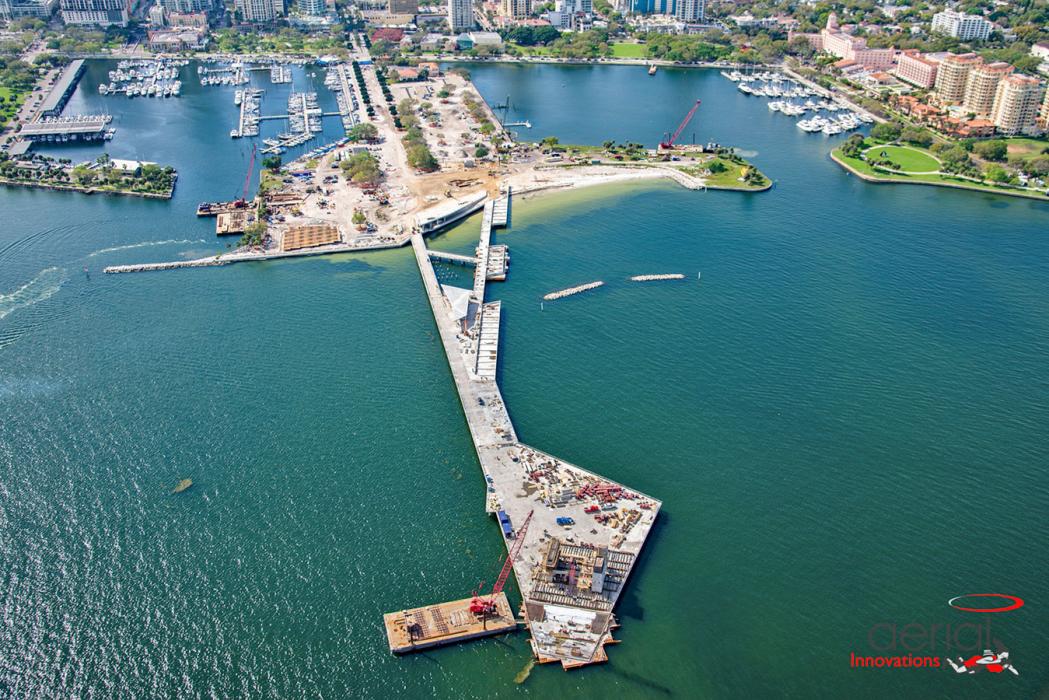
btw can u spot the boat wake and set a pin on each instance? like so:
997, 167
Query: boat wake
43, 286
144, 244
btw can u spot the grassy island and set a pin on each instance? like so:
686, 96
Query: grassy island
104, 175
942, 165
719, 169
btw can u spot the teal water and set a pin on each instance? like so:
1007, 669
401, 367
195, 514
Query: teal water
844, 419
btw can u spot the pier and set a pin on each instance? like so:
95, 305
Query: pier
586, 531
63, 89
91, 127
452, 257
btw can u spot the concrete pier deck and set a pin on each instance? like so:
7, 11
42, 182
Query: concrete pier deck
586, 530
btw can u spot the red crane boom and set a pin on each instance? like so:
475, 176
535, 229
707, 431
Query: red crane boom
247, 178
669, 143
480, 605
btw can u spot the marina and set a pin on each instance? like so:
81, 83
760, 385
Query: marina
223, 74
794, 99
249, 101
145, 78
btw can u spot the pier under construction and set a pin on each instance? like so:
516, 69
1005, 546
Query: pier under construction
580, 533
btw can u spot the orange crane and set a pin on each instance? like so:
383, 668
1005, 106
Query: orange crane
668, 141
485, 606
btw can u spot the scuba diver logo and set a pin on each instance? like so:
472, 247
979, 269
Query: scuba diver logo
989, 661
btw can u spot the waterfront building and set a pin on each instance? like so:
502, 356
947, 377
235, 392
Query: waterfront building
17, 9
1016, 105
961, 26
489, 39
982, 85
186, 7
916, 69
155, 15
102, 13
835, 40
516, 9
460, 15
197, 20
749, 21
952, 76
260, 10
312, 8
403, 7
177, 39
690, 10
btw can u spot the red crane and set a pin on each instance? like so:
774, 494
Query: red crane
247, 180
668, 141
484, 606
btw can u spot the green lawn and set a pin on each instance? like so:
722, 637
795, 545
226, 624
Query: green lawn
531, 50
10, 105
910, 160
1026, 147
862, 166
728, 178
625, 50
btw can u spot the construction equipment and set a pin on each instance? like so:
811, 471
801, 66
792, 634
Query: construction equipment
247, 180
668, 141
484, 606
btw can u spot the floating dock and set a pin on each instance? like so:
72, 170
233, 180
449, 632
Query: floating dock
445, 623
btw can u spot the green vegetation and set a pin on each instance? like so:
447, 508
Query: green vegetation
272, 163
525, 35
478, 112
686, 48
629, 50
903, 158
17, 79
364, 131
284, 40
362, 169
254, 235
10, 102
100, 175
419, 156
956, 168
726, 171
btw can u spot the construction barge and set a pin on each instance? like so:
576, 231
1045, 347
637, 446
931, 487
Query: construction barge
446, 623
216, 208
